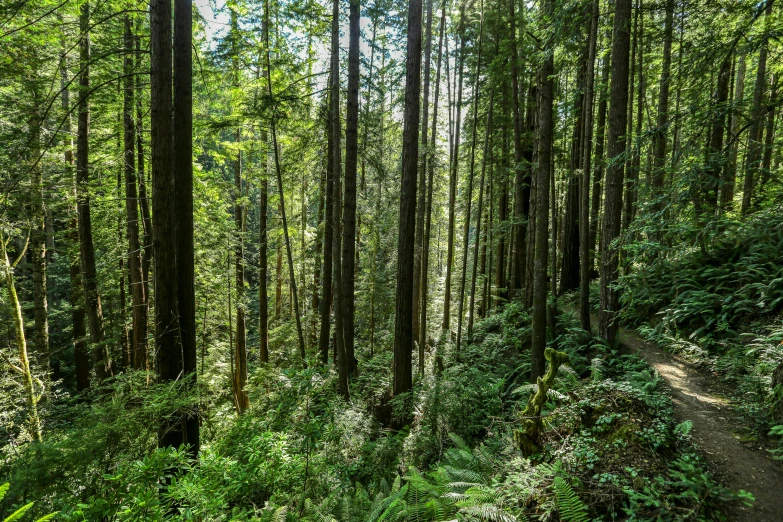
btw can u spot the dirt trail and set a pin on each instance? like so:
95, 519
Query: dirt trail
700, 398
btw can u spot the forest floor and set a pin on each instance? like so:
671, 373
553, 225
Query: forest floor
701, 398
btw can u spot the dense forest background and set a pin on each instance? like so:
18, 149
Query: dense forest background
296, 260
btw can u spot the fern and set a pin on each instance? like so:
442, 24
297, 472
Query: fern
571, 508
19, 513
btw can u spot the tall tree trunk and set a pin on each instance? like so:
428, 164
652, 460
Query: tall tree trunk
100, 352
500, 255
587, 147
23, 366
630, 175
349, 197
519, 228
446, 325
544, 160
595, 203
144, 201
469, 196
706, 197
168, 342
38, 248
240, 353
76, 297
263, 237
660, 137
278, 170
769, 140
487, 155
135, 275
613, 193
422, 184
530, 154
315, 302
569, 274
334, 117
326, 299
403, 320
425, 251
730, 172
754, 155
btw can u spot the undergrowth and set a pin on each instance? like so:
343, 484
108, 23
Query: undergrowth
610, 447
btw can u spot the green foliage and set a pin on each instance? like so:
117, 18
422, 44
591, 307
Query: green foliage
20, 512
571, 508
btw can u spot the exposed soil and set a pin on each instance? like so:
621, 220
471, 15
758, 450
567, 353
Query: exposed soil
701, 398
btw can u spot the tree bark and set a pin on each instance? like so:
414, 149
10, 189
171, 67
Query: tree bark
487, 155
754, 155
446, 325
584, 204
613, 193
428, 220
100, 352
469, 196
544, 160
76, 296
138, 346
334, 93
520, 182
595, 203
730, 172
326, 300
422, 183
183, 182
273, 122
349, 197
403, 321
660, 137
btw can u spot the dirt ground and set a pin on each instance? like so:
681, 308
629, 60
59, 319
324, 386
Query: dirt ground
700, 398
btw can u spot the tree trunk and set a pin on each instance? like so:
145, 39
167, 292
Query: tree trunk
446, 325
587, 146
544, 160
595, 203
487, 155
569, 274
613, 193
349, 197
403, 321
754, 155
144, 202
21, 343
38, 249
326, 299
422, 183
769, 140
469, 196
100, 352
659, 139
295, 300
334, 116
730, 173
138, 347
428, 220
519, 228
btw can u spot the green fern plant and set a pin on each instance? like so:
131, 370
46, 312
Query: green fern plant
19, 513
571, 508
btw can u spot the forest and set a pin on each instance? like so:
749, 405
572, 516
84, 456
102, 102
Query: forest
391, 260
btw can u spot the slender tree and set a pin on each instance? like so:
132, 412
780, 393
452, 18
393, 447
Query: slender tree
430, 179
349, 197
100, 352
542, 194
613, 192
403, 321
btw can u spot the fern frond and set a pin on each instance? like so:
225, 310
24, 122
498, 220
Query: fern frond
571, 508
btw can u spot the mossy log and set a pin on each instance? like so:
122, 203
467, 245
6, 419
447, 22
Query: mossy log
526, 438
